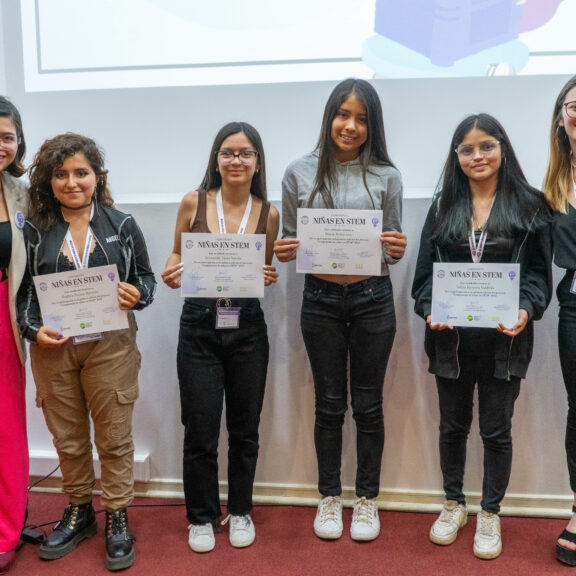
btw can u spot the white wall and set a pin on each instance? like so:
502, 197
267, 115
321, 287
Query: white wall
157, 142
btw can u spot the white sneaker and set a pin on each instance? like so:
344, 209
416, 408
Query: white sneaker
488, 539
453, 517
328, 521
365, 521
242, 531
201, 537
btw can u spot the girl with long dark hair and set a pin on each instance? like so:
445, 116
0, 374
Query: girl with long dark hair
347, 316
486, 211
214, 365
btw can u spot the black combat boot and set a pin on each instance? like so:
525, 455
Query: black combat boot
119, 541
78, 523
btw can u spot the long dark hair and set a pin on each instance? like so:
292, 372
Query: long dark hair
373, 151
8, 110
43, 208
516, 201
213, 179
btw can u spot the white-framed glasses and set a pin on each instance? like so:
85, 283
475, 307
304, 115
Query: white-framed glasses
570, 108
485, 148
245, 156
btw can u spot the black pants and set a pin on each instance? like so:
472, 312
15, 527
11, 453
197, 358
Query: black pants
216, 366
496, 400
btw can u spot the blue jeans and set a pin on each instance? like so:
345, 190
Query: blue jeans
566, 347
339, 321
496, 400
216, 366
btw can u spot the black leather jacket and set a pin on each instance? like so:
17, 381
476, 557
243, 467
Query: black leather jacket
119, 237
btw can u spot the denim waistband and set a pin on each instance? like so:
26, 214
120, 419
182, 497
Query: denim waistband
234, 302
349, 288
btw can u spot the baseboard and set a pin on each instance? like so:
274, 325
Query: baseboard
307, 495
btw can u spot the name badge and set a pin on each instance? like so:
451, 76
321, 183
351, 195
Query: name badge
87, 338
227, 318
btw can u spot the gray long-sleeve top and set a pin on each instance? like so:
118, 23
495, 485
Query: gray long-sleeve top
384, 183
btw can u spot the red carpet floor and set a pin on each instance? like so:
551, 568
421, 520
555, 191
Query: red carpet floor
286, 545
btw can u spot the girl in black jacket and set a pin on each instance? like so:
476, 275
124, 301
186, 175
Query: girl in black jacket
484, 211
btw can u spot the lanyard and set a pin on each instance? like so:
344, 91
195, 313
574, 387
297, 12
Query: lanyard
477, 249
87, 245
220, 209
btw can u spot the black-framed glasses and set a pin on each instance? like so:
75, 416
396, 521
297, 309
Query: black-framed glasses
245, 156
485, 148
570, 108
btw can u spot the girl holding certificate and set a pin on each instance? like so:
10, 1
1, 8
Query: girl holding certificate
560, 187
485, 211
345, 315
72, 225
223, 343
13, 441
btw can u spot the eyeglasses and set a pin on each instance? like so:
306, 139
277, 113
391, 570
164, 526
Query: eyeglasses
485, 148
246, 157
570, 109
9, 140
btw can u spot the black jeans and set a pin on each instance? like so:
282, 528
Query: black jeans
339, 321
566, 347
496, 400
213, 366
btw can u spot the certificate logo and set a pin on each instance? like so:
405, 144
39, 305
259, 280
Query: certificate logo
469, 317
440, 274
258, 245
82, 325
43, 286
334, 265
304, 220
375, 222
189, 244
218, 288
111, 275
511, 274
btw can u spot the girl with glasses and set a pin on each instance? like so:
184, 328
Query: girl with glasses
484, 211
347, 316
560, 186
217, 365
13, 440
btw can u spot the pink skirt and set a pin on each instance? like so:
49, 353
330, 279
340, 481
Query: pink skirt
13, 440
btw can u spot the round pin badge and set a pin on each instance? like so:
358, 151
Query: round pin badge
19, 219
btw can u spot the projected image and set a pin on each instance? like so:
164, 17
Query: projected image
456, 37
146, 43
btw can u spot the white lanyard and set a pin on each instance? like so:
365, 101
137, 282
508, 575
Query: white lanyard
87, 245
220, 209
477, 249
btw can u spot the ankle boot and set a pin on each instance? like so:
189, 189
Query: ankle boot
119, 541
78, 522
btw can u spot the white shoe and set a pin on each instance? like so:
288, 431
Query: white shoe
488, 539
328, 521
365, 521
242, 531
453, 517
201, 537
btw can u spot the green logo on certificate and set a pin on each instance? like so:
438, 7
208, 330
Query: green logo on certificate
334, 265
219, 288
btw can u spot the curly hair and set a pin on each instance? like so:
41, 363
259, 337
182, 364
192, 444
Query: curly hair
43, 207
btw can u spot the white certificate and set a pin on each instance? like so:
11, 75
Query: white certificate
339, 241
223, 265
478, 295
81, 301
